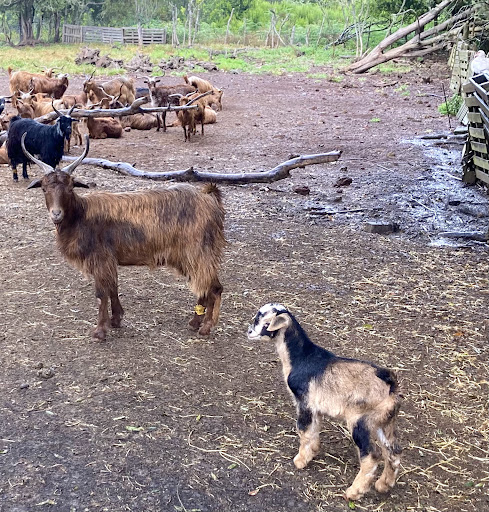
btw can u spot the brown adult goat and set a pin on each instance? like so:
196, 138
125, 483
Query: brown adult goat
104, 127
20, 81
181, 227
164, 95
98, 91
54, 87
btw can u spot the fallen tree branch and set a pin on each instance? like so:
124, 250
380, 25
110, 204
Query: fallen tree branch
277, 173
420, 43
134, 108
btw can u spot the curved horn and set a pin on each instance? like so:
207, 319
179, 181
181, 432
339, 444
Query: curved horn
70, 168
55, 109
71, 109
44, 166
198, 97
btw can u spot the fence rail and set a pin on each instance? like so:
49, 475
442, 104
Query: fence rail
476, 98
127, 35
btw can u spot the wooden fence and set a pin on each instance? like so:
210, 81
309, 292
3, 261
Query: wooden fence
476, 151
127, 35
459, 59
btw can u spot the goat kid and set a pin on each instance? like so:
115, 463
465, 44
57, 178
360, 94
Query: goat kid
366, 396
181, 227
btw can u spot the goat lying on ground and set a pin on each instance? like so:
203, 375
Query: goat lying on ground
364, 395
181, 227
47, 141
103, 127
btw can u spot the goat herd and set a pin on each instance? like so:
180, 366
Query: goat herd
182, 227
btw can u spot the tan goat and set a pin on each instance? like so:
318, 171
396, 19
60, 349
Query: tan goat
361, 393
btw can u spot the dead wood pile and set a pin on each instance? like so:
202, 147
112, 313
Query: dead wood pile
422, 41
92, 56
180, 64
140, 63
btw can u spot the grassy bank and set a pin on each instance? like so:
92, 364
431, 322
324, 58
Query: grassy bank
230, 58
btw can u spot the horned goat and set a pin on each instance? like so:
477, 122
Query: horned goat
165, 95
203, 86
363, 394
97, 91
47, 141
190, 117
54, 87
36, 106
20, 81
181, 227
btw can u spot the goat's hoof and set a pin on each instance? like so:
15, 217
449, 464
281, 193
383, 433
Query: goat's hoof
300, 462
205, 330
381, 485
352, 494
99, 334
115, 322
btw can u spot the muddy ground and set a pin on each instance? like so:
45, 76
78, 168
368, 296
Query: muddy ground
159, 419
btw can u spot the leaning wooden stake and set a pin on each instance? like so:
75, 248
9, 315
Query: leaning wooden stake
277, 173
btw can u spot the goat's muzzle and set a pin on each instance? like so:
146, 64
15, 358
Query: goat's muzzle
56, 216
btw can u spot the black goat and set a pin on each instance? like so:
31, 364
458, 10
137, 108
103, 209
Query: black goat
47, 141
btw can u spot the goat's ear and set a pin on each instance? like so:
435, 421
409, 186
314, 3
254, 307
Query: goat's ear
80, 184
278, 322
34, 184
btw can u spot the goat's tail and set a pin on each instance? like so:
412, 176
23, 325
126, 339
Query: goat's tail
211, 188
185, 77
9, 70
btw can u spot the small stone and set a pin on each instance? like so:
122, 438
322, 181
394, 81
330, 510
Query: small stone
39, 365
46, 373
127, 129
24, 385
303, 190
381, 228
343, 182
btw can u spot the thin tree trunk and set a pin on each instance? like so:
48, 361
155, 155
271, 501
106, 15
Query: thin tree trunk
227, 26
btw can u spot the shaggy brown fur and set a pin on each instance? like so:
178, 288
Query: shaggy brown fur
20, 81
104, 127
181, 227
3, 154
123, 86
55, 87
362, 394
203, 86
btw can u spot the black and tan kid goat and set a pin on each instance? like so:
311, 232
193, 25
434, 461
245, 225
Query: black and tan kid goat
361, 393
181, 227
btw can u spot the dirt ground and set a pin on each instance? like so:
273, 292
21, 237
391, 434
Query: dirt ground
159, 419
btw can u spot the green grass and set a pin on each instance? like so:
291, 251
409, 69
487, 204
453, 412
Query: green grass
254, 60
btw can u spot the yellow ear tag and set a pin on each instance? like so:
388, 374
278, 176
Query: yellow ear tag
199, 309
